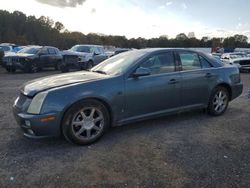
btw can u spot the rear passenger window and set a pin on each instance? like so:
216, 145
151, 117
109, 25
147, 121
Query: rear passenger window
189, 61
51, 51
44, 51
204, 63
160, 64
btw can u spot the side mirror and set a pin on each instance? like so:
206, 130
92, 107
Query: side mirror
96, 54
141, 71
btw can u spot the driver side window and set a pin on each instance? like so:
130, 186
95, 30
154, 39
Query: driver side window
160, 63
44, 51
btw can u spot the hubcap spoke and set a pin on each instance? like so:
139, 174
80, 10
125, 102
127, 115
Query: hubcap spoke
88, 133
96, 128
97, 119
83, 115
77, 123
80, 131
92, 113
217, 107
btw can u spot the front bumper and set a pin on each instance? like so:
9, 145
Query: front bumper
245, 68
236, 90
11, 65
33, 126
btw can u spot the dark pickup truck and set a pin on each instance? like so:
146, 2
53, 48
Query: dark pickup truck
33, 58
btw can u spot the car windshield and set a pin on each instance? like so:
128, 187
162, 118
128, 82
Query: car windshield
234, 56
118, 64
5, 48
81, 49
30, 50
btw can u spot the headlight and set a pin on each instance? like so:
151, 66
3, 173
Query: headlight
37, 102
82, 58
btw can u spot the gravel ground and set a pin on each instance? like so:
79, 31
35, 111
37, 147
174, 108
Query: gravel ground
184, 150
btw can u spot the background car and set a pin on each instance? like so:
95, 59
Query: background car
8, 47
240, 59
88, 56
120, 50
1, 55
33, 58
128, 87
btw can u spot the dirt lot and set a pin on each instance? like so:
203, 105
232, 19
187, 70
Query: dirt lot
185, 150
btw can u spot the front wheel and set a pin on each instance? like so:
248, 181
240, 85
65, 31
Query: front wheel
85, 122
218, 102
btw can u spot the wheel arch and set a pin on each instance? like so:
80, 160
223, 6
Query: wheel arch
228, 87
101, 100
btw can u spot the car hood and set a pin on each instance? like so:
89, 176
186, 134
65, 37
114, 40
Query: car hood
13, 54
8, 54
31, 88
240, 59
70, 52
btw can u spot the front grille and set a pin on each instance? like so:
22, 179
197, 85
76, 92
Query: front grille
70, 59
21, 100
244, 62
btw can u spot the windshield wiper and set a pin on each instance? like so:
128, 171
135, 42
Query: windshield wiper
99, 71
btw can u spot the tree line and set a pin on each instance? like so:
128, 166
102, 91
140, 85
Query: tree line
20, 29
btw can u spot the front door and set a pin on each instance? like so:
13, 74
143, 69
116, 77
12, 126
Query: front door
155, 93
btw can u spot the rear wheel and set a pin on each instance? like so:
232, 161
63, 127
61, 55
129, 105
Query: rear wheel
64, 68
85, 122
218, 102
58, 65
10, 69
90, 64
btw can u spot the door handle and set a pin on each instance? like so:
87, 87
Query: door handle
209, 75
173, 81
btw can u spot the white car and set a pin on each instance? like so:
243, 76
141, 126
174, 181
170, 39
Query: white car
240, 59
89, 55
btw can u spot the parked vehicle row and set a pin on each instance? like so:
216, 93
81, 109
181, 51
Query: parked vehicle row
35, 58
32, 59
145, 84
239, 59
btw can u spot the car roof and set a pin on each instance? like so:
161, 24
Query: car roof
92, 45
234, 53
208, 57
169, 49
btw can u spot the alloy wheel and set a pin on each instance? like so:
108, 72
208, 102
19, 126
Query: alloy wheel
220, 101
87, 123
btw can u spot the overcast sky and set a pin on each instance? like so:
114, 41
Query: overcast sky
143, 18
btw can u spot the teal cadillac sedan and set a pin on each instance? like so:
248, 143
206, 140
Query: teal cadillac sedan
132, 86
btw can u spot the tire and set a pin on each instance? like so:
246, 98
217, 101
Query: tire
218, 101
85, 122
31, 68
10, 69
89, 65
58, 65
64, 68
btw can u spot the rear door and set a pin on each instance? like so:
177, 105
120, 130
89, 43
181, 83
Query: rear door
197, 76
99, 55
44, 57
155, 93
